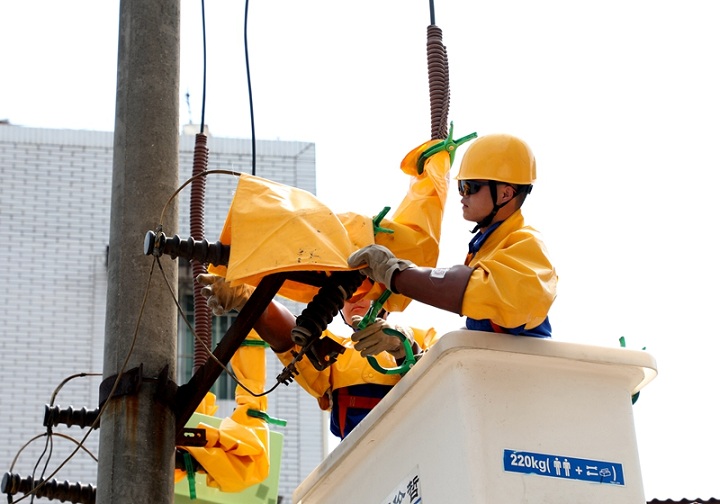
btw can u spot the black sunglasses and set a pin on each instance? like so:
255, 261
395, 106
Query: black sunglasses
468, 187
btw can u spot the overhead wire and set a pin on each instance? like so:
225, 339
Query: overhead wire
201, 332
249, 86
204, 76
47, 449
57, 434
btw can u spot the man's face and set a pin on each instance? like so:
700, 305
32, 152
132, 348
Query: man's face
476, 199
360, 307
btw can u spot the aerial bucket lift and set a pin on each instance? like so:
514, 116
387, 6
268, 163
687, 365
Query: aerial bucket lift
488, 418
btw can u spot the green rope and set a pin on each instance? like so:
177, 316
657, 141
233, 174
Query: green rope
190, 474
264, 416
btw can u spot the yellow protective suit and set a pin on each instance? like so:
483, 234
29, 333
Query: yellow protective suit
350, 368
512, 256
273, 228
235, 455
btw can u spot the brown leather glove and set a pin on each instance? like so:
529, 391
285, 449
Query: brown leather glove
221, 297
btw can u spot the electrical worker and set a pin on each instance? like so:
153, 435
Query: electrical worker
349, 387
507, 283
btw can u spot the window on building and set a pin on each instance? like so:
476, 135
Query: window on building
224, 387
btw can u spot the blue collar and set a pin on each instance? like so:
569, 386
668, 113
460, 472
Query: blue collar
480, 238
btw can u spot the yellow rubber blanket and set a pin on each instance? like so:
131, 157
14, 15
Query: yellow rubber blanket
273, 228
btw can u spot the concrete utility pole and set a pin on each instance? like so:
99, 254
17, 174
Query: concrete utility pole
137, 429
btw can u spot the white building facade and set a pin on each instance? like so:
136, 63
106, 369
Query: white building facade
54, 226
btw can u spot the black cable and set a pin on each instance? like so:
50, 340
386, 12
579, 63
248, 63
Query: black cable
204, 85
48, 443
62, 384
249, 85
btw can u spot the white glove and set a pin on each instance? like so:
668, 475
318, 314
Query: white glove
373, 339
221, 298
381, 263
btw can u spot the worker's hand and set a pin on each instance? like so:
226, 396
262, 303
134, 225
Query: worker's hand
373, 339
221, 298
381, 263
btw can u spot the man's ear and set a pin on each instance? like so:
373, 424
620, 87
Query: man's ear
507, 193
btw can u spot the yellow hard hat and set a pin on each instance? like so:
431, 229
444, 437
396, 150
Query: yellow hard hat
500, 157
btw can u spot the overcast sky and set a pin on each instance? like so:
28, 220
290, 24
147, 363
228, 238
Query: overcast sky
618, 99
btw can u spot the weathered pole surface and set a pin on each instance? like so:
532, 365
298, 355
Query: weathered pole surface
137, 429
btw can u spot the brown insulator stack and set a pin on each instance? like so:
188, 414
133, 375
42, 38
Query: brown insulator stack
439, 81
203, 316
53, 489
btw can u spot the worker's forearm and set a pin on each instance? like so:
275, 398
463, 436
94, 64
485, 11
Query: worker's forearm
442, 288
275, 325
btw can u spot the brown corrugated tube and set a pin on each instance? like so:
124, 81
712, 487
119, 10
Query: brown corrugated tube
439, 81
203, 316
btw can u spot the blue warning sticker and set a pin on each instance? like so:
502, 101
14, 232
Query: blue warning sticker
560, 466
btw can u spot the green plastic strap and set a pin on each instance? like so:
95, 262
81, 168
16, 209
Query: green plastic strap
448, 144
190, 474
368, 319
378, 219
254, 342
264, 416
375, 308
409, 361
